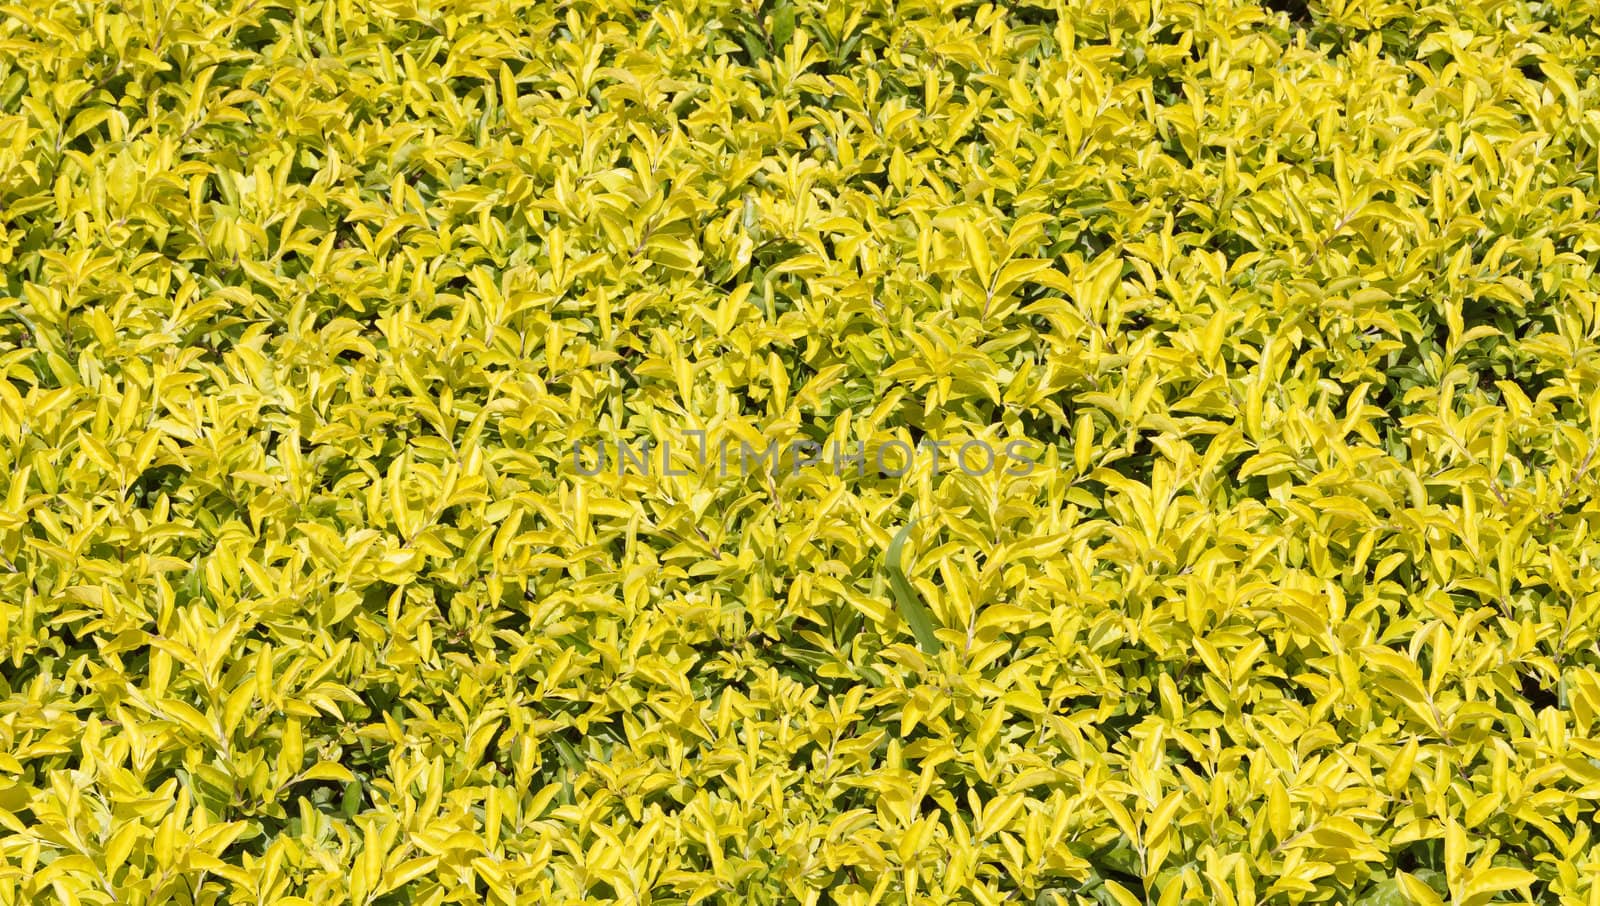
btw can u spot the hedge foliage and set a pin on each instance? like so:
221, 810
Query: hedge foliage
307, 307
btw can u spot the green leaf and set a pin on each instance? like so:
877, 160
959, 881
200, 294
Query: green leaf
912, 610
782, 24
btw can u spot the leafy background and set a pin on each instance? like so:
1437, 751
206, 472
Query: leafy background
306, 304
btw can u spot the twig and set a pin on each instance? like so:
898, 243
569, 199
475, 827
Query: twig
1572, 485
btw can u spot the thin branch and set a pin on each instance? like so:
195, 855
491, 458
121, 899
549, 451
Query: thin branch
1572, 485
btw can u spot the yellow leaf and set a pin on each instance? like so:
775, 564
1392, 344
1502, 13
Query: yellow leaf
1122, 895
1484, 885
1417, 892
328, 770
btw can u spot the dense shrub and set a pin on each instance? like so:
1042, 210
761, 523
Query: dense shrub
315, 316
